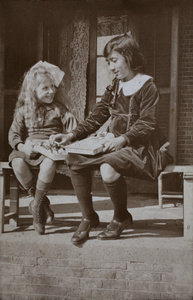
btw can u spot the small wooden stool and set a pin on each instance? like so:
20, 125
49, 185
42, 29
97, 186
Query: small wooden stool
186, 195
163, 193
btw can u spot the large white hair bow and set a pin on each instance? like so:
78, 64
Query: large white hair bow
54, 70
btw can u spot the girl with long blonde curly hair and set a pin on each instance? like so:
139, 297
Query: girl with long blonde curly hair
37, 116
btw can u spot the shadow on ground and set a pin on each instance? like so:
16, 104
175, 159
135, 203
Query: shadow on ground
162, 228
159, 223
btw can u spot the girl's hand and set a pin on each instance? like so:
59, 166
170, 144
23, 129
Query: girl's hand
114, 144
61, 139
27, 148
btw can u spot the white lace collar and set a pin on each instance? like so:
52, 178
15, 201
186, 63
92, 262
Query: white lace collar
132, 86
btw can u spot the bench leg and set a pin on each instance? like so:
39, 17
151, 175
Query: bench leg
188, 206
2, 201
14, 201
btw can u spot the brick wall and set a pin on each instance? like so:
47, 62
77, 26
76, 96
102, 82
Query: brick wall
185, 101
109, 270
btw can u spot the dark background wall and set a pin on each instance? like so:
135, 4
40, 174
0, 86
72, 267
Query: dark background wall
153, 27
185, 101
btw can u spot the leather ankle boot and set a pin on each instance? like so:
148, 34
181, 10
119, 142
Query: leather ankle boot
37, 210
49, 214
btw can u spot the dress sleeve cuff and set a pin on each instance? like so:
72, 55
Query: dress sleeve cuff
15, 143
127, 139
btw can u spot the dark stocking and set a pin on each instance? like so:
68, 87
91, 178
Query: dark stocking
82, 183
117, 191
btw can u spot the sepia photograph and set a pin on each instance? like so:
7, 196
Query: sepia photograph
96, 149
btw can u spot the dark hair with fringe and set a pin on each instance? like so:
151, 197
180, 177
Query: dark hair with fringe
127, 46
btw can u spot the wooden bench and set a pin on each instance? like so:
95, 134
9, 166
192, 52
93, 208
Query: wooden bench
13, 215
186, 194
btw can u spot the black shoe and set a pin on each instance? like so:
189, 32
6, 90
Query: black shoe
115, 228
82, 233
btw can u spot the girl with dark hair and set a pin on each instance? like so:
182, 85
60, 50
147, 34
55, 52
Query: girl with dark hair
37, 116
129, 49
134, 143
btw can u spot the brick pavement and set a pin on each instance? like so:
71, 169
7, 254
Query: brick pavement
151, 260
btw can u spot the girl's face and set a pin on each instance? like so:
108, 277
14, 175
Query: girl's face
46, 90
119, 66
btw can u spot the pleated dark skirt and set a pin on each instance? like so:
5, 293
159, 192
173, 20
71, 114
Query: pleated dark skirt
128, 161
31, 161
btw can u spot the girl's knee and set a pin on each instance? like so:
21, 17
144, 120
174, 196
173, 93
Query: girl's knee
18, 164
47, 170
48, 165
108, 173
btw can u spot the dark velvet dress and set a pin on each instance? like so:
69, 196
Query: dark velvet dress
132, 116
52, 119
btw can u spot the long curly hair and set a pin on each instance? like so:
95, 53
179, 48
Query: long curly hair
27, 94
127, 46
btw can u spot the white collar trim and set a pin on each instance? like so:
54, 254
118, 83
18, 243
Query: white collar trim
132, 86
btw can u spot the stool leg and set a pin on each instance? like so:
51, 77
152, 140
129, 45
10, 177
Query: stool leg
188, 206
160, 191
14, 200
2, 201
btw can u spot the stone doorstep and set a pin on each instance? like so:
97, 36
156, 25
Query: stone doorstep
151, 259
150, 222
